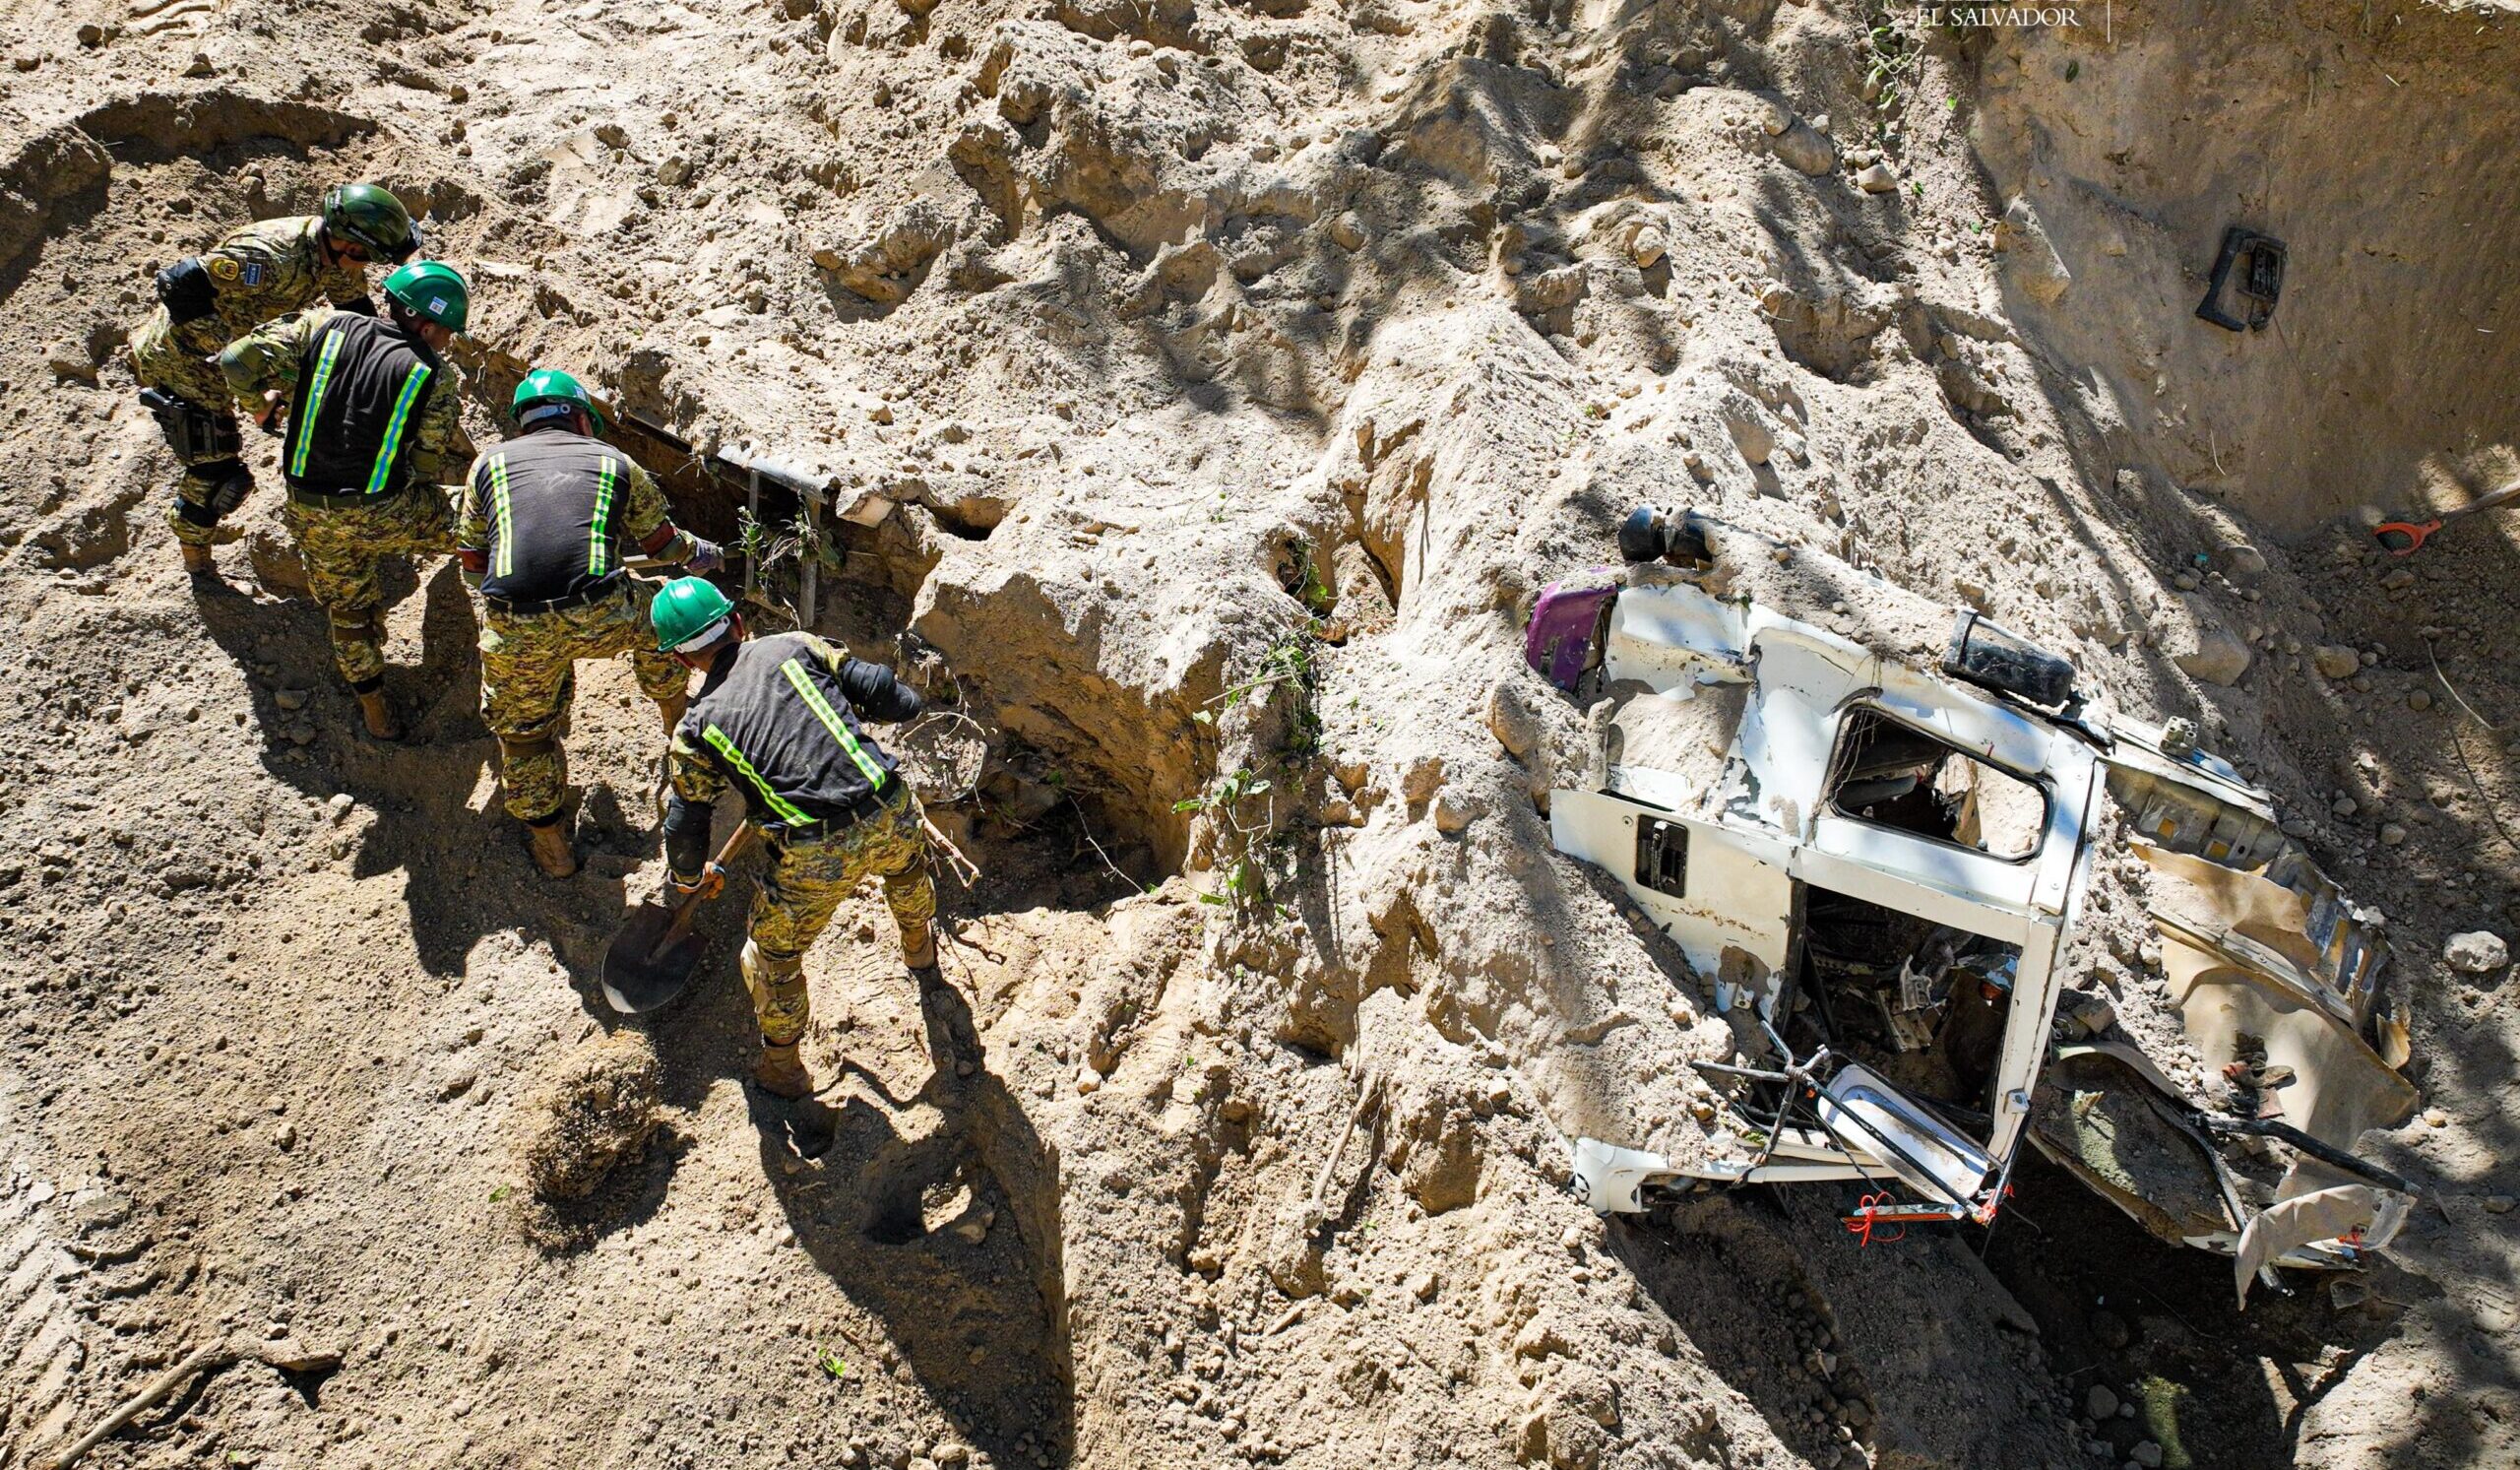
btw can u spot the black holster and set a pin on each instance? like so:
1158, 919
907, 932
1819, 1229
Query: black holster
194, 432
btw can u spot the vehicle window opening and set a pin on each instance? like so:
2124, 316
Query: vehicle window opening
1893, 775
1921, 1004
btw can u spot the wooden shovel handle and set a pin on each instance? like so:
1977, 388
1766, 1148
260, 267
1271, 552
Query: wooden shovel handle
689, 908
2484, 502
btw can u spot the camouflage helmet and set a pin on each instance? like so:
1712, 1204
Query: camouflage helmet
371, 219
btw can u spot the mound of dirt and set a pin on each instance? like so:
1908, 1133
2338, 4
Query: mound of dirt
596, 1112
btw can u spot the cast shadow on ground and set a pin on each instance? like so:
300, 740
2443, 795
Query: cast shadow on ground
939, 1215
422, 787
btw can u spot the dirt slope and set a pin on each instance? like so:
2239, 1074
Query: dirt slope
1241, 373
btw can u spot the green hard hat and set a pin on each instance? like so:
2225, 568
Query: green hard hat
549, 385
688, 611
372, 219
433, 291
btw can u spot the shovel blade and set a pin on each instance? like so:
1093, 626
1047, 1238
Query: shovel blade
637, 979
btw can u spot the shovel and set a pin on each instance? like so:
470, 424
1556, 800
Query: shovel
652, 956
2402, 538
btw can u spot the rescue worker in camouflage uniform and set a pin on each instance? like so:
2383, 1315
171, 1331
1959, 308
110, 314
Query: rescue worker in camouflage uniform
778, 719
266, 270
371, 414
541, 533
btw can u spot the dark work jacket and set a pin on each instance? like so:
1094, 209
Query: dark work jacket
555, 501
361, 383
782, 728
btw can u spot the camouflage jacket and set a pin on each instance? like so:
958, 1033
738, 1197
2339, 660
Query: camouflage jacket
269, 269
266, 359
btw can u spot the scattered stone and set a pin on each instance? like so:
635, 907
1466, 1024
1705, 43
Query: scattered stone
1877, 179
2391, 834
2100, 1402
1775, 116
1753, 438
2398, 581
2336, 661
339, 805
273, 553
2219, 657
1806, 151
289, 699
200, 66
1648, 247
1453, 814
2243, 564
69, 361
1346, 232
1088, 1080
2421, 699
2147, 1454
2498, 1205
2477, 952
2030, 257
2186, 581
2434, 1118
2344, 806
1424, 778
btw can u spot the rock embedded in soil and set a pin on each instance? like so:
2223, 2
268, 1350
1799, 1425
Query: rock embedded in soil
2477, 952
1806, 151
2337, 661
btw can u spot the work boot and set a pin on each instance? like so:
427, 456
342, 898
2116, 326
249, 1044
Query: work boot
197, 560
379, 716
918, 947
548, 841
783, 1072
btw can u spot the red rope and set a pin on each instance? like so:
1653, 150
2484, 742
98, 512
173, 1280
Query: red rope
1862, 1224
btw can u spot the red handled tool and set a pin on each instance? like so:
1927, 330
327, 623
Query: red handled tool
2403, 538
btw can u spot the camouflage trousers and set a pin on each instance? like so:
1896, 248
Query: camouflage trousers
175, 361
344, 548
805, 884
529, 676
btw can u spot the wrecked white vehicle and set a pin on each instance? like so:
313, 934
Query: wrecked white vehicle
1876, 842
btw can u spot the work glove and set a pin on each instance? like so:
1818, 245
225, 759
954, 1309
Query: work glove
706, 556
710, 882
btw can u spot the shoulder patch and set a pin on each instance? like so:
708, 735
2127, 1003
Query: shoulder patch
222, 267
254, 272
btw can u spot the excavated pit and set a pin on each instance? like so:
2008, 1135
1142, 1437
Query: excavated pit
1238, 376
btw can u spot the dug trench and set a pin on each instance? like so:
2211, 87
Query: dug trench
1238, 375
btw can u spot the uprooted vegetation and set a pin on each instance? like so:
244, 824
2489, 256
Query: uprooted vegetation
1198, 398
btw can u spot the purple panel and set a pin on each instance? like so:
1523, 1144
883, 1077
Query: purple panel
1562, 639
